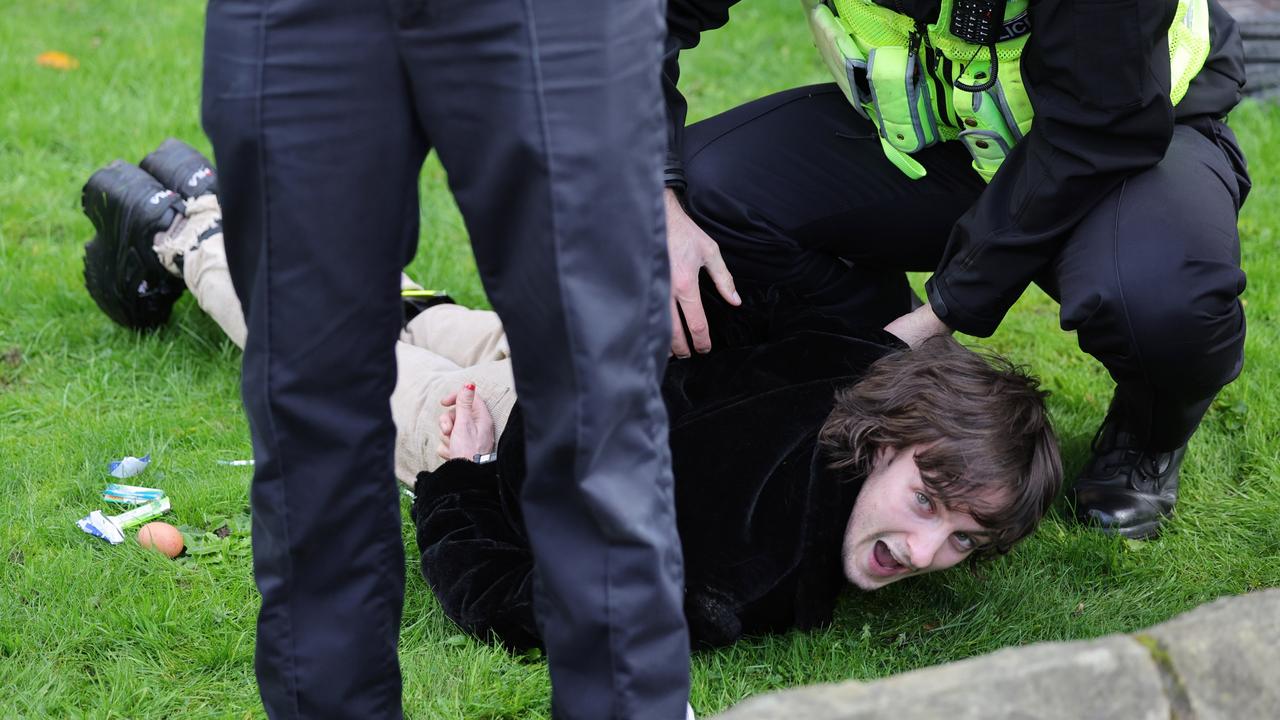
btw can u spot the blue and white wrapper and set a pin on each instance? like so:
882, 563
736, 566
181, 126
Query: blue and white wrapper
100, 526
130, 494
111, 527
129, 466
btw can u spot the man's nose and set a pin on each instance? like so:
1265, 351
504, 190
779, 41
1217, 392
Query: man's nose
923, 547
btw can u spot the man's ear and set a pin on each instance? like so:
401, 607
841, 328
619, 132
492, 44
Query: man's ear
883, 456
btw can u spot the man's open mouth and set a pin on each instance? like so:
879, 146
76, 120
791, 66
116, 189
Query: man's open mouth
883, 563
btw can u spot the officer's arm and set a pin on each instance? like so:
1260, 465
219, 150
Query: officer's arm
1098, 76
686, 21
689, 248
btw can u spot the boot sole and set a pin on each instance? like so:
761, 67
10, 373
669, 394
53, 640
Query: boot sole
127, 207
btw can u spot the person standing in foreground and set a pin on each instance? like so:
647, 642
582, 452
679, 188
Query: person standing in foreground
547, 116
1077, 144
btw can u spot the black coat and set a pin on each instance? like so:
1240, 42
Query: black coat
1098, 76
760, 516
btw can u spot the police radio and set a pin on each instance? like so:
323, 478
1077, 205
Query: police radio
979, 22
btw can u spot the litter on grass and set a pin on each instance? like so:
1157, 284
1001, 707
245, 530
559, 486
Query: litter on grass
130, 494
235, 462
111, 527
129, 466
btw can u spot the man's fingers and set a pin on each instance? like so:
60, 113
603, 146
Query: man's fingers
679, 346
721, 276
446, 423
467, 397
450, 400
695, 318
443, 451
480, 413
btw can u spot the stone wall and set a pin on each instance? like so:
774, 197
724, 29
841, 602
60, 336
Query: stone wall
1260, 27
1220, 661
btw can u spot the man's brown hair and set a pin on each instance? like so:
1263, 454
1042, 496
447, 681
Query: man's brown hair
980, 422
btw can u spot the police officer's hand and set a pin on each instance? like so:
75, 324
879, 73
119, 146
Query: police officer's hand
690, 249
466, 426
917, 326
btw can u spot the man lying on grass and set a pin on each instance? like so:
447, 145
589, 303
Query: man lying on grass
804, 456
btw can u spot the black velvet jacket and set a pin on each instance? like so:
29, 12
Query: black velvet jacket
761, 518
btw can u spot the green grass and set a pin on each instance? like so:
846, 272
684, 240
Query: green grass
88, 630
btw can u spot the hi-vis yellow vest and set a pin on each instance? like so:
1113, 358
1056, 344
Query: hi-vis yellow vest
883, 63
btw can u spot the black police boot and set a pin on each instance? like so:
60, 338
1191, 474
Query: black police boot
182, 169
1126, 490
121, 271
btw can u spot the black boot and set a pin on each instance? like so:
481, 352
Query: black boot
121, 271
1126, 490
182, 169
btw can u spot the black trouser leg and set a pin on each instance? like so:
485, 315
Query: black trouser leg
547, 115
1150, 282
318, 154
797, 192
551, 129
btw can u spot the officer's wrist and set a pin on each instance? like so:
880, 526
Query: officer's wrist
673, 174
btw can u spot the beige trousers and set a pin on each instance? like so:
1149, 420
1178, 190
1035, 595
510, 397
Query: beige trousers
440, 350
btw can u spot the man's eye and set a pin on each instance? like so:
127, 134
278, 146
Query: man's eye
923, 501
965, 541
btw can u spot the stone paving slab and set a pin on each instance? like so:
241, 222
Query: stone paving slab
1045, 682
1219, 661
1226, 656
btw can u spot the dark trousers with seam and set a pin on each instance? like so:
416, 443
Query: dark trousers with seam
796, 190
547, 116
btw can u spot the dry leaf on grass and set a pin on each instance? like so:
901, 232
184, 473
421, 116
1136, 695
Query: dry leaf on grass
57, 60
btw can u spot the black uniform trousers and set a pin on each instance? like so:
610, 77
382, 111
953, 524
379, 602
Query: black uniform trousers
796, 190
547, 116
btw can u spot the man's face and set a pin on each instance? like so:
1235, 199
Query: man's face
899, 529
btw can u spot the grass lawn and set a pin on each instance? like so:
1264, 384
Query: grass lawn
90, 630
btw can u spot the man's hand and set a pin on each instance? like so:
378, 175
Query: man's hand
917, 326
689, 250
466, 426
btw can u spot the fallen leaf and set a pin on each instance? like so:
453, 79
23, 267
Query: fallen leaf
57, 60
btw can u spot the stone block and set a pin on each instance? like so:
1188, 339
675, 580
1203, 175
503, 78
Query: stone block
1114, 677
1224, 657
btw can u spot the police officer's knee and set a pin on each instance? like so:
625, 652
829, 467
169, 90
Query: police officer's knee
1190, 341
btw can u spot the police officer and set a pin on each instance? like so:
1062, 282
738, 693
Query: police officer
547, 116
1076, 144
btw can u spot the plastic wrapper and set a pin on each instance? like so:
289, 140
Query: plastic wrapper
111, 527
130, 494
129, 466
